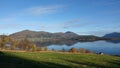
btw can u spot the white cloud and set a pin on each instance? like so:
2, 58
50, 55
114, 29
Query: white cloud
77, 23
70, 23
66, 25
39, 10
58, 25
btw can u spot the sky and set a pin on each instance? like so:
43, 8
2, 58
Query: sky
84, 17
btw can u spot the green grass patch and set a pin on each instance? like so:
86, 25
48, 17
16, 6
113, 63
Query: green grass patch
56, 60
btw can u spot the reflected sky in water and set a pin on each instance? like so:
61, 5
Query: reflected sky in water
98, 46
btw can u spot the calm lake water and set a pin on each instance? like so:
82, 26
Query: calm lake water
97, 46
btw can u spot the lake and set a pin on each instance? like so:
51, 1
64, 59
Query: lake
106, 47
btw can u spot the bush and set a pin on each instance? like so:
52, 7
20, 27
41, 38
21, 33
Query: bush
39, 49
53, 49
82, 50
45, 49
73, 50
34, 48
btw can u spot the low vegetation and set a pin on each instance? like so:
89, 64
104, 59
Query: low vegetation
56, 60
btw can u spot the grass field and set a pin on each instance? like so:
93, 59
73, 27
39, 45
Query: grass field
56, 60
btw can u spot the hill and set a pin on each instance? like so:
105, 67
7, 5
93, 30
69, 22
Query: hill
42, 34
47, 36
112, 35
56, 60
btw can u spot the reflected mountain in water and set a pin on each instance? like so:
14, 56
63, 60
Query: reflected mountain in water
115, 37
57, 42
68, 42
113, 41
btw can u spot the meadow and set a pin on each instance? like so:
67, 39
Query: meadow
56, 60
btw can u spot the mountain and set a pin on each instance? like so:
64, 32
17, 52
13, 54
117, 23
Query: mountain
42, 34
112, 35
67, 35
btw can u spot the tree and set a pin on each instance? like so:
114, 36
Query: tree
82, 50
39, 49
0, 43
34, 48
45, 49
73, 50
25, 44
3, 40
14, 44
88, 51
3, 45
53, 49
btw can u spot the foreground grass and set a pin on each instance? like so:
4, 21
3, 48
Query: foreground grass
56, 60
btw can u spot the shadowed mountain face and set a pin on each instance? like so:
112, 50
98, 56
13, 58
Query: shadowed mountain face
42, 34
112, 35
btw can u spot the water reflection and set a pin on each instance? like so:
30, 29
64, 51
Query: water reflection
58, 42
106, 47
70, 42
113, 41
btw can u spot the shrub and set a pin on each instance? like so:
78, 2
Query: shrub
53, 49
45, 49
34, 48
39, 49
82, 50
73, 50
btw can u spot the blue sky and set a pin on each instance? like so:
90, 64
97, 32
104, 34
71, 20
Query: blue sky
96, 17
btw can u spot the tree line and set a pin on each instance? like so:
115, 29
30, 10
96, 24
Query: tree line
7, 43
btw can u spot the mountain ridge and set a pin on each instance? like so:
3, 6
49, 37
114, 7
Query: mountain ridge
33, 34
112, 35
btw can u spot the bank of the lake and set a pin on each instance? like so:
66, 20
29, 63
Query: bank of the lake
56, 60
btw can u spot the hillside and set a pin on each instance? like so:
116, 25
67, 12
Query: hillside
112, 35
55, 37
42, 34
56, 60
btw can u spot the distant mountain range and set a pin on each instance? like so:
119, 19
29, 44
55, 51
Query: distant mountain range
43, 34
112, 35
60, 35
